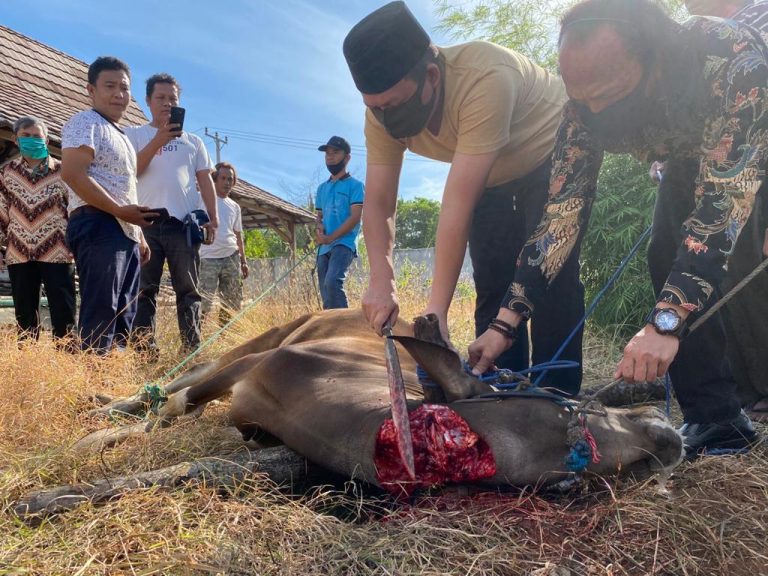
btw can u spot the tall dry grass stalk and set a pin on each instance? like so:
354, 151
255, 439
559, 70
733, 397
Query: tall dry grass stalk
713, 521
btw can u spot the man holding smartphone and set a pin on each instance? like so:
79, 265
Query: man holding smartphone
174, 172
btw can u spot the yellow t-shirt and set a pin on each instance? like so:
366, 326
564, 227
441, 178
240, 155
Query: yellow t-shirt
495, 99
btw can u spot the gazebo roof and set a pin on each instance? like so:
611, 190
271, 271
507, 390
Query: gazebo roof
262, 209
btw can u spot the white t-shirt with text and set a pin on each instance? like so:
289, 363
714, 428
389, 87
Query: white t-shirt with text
170, 180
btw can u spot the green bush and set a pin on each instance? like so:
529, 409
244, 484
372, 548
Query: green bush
621, 213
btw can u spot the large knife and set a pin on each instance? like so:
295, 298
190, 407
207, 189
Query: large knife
397, 400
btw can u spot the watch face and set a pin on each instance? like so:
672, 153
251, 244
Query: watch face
667, 320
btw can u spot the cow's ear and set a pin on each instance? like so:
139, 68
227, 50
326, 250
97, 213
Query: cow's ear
444, 367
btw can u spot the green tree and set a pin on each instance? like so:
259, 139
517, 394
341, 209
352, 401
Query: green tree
527, 26
416, 223
264, 243
622, 211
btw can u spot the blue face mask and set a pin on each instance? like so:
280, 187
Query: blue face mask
32, 147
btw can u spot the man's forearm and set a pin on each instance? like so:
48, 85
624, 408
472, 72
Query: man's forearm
379, 234
345, 227
240, 245
145, 155
450, 247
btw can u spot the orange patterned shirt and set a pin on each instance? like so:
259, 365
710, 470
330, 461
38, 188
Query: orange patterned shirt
33, 212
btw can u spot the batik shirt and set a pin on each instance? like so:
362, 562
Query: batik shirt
33, 212
756, 15
724, 124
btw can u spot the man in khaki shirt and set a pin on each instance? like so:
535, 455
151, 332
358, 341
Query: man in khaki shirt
492, 114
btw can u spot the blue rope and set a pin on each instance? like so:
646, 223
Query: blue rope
597, 299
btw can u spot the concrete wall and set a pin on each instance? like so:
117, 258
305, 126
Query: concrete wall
417, 261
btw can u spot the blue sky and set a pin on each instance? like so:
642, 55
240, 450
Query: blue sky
261, 72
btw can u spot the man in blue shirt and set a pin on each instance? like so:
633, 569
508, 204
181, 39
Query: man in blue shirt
339, 205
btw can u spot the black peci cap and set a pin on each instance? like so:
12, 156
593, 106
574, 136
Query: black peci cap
336, 142
383, 47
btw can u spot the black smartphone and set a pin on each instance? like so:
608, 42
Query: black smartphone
177, 117
162, 214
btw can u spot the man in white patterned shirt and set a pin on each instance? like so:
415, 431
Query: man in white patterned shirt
104, 232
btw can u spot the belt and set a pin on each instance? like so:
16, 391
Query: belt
87, 209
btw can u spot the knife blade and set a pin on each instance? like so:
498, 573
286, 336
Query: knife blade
398, 402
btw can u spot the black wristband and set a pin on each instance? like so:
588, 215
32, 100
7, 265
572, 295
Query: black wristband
503, 328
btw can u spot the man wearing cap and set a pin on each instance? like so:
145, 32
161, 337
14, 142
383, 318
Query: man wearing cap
339, 205
492, 114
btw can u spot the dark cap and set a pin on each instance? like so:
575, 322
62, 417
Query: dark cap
383, 47
336, 142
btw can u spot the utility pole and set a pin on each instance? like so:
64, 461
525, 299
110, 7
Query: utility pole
220, 143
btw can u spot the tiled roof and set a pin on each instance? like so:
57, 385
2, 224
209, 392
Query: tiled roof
38, 80
260, 208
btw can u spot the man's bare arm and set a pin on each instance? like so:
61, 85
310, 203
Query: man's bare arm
380, 301
356, 211
161, 138
465, 185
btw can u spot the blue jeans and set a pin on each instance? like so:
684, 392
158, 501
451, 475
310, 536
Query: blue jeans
108, 266
331, 271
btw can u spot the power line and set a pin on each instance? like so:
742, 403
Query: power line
220, 143
296, 143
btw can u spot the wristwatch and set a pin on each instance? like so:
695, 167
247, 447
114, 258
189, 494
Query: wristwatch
668, 322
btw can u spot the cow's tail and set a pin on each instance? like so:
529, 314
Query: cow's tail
218, 385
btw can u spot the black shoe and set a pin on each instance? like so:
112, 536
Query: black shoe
724, 437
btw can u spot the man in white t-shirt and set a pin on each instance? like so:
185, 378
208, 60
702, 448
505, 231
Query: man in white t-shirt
174, 173
99, 167
223, 264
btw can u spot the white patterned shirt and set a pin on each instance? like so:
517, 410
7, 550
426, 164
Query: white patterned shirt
114, 161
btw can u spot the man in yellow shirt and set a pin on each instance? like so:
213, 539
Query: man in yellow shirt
492, 114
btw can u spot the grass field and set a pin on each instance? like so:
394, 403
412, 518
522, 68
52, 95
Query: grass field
712, 518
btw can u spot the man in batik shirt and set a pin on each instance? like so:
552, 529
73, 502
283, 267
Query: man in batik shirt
675, 201
640, 83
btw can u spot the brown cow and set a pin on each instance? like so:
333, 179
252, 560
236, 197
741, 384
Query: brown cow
319, 384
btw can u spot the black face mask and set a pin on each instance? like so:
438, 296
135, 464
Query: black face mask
625, 119
336, 168
410, 117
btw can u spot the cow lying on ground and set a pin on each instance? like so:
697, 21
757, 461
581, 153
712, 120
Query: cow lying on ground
319, 384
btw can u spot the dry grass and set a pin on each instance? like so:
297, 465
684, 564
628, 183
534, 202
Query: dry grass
712, 521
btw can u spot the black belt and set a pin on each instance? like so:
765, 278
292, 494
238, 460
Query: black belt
87, 209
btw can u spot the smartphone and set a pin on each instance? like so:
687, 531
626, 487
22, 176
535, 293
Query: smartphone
162, 214
177, 117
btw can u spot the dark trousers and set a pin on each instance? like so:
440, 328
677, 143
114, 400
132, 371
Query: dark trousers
701, 372
168, 241
503, 219
108, 267
331, 271
59, 282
